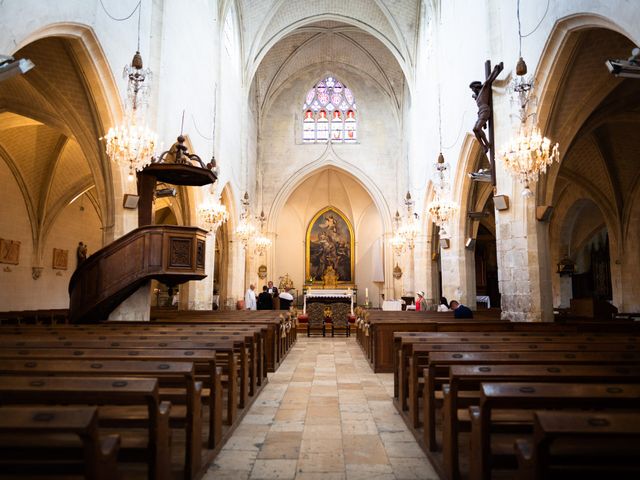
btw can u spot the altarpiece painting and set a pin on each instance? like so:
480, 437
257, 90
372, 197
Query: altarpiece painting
330, 246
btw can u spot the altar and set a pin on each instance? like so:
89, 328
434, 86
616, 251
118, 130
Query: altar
323, 295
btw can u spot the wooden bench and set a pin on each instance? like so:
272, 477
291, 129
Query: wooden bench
29, 434
176, 381
463, 390
421, 354
104, 391
530, 396
210, 374
440, 363
581, 445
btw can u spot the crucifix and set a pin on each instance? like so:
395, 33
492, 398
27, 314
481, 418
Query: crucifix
483, 94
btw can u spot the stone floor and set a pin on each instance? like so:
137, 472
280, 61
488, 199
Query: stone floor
323, 415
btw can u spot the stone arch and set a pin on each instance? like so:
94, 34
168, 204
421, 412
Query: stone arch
105, 98
555, 61
261, 48
329, 159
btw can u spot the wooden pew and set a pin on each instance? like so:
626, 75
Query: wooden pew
169, 374
220, 347
518, 396
468, 378
29, 433
581, 445
421, 354
440, 363
198, 357
104, 391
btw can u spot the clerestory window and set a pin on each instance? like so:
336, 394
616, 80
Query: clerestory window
329, 113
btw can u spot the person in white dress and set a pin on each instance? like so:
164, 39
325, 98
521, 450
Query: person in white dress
250, 302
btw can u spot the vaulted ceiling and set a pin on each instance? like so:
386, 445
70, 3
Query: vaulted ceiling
49, 134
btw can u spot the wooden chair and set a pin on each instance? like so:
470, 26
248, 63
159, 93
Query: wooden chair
315, 311
340, 318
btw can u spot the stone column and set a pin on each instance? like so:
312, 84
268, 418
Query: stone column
458, 272
523, 260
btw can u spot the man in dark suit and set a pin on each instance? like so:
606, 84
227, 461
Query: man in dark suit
265, 301
459, 310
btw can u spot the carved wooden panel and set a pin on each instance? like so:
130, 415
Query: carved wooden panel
180, 252
200, 254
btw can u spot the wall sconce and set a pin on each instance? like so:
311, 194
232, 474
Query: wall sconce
444, 242
501, 202
470, 243
566, 266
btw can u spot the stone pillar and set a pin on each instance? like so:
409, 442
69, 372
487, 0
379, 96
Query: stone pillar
523, 261
458, 272
136, 307
422, 263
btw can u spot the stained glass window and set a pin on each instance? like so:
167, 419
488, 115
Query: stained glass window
329, 113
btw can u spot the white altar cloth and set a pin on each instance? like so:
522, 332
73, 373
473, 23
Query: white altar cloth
392, 305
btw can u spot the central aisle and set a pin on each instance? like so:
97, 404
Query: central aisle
323, 415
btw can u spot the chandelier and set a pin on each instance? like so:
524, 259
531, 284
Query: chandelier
261, 242
245, 230
212, 214
407, 229
132, 144
528, 154
441, 209
397, 242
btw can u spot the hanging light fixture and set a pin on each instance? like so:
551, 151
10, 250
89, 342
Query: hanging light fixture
132, 143
397, 242
410, 226
262, 243
212, 214
529, 153
245, 230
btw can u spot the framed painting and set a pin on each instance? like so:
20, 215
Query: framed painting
330, 248
9, 251
60, 258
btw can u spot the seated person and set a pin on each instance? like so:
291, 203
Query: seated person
286, 299
459, 310
444, 305
265, 300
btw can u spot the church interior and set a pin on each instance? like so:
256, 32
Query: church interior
305, 239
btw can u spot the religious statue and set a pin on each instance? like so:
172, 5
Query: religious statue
177, 153
482, 95
330, 277
81, 252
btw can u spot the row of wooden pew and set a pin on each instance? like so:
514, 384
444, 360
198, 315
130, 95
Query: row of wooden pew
155, 399
500, 400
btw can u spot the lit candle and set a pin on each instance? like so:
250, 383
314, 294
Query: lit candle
366, 293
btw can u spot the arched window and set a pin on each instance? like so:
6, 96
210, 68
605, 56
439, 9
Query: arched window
329, 113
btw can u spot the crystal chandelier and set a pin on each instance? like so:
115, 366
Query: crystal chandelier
132, 144
245, 230
397, 242
212, 214
528, 154
441, 209
261, 242
408, 229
